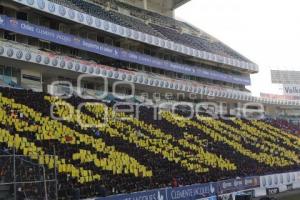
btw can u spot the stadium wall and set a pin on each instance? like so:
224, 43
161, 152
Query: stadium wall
228, 189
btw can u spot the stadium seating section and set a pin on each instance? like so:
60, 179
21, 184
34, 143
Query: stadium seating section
285, 125
104, 151
152, 23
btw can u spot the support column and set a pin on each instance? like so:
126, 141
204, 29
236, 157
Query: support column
145, 2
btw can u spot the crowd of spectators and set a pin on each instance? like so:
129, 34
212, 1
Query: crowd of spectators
109, 152
285, 125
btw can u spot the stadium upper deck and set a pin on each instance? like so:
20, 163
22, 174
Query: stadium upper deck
140, 25
285, 77
166, 7
153, 50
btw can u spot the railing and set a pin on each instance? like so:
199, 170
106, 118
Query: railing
25, 183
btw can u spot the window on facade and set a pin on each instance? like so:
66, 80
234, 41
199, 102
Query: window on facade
74, 52
9, 35
22, 16
44, 44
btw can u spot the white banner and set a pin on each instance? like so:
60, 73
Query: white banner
291, 89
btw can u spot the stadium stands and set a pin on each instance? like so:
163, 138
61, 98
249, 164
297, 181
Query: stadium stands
208, 88
203, 44
284, 125
160, 26
115, 17
67, 4
87, 147
98, 145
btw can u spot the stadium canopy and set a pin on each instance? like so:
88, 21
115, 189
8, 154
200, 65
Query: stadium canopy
178, 3
285, 77
166, 5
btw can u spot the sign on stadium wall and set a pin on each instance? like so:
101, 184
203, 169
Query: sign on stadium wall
276, 180
272, 191
224, 189
192, 192
291, 89
233, 185
151, 194
25, 28
278, 96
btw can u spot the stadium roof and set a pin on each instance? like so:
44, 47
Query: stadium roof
285, 77
167, 4
162, 5
178, 3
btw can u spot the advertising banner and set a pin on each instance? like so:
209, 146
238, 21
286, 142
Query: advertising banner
149, 195
276, 180
291, 90
191, 192
279, 97
232, 185
272, 191
25, 28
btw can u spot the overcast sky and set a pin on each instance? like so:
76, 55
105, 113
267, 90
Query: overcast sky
265, 31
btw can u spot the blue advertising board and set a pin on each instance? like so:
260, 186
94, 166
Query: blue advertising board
145, 195
25, 28
208, 191
191, 192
